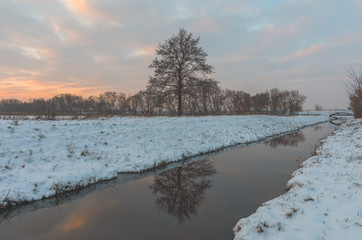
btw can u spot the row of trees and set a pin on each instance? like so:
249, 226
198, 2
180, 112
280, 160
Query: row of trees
208, 98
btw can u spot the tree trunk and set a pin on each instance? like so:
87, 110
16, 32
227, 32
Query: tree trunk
179, 105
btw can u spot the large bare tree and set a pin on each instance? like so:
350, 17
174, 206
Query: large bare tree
179, 65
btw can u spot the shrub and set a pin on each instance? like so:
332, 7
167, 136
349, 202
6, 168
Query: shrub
355, 91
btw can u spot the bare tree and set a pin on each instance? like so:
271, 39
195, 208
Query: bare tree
274, 100
260, 102
181, 64
355, 91
135, 104
67, 103
284, 96
202, 97
295, 101
318, 107
236, 101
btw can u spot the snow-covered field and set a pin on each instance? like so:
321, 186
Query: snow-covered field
42, 158
325, 196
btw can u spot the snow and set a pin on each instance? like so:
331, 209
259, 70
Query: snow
42, 158
325, 112
325, 196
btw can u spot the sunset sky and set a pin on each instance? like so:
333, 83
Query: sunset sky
86, 47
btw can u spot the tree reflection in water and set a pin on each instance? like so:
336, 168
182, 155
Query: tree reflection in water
291, 139
180, 191
317, 128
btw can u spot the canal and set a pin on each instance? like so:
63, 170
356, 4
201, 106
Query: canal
202, 198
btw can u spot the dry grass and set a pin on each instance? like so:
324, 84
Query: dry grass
291, 213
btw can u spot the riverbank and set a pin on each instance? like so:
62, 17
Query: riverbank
324, 196
39, 159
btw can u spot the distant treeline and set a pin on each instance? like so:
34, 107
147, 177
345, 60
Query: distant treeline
206, 99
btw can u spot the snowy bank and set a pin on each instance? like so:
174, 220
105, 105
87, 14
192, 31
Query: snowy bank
42, 158
324, 112
324, 200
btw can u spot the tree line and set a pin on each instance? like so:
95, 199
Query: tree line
207, 99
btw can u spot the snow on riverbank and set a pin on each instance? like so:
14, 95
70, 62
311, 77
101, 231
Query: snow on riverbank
325, 196
41, 158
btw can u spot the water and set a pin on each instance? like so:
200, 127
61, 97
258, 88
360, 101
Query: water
199, 199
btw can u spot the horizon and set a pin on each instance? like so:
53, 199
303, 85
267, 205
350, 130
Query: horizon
89, 47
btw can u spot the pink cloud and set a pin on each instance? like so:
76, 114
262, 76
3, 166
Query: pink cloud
88, 13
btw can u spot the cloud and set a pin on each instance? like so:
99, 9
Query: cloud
74, 223
32, 53
88, 12
142, 51
315, 48
86, 47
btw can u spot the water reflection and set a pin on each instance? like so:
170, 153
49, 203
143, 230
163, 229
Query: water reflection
291, 139
65, 198
180, 191
317, 128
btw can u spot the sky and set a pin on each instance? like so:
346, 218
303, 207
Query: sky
86, 47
